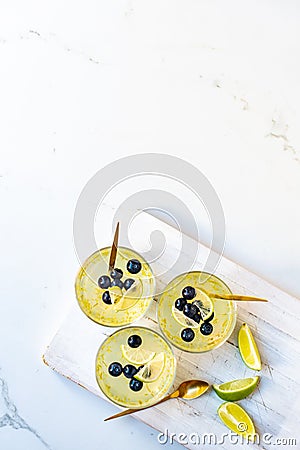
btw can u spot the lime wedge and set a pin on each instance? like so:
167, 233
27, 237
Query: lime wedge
130, 297
182, 319
236, 389
204, 304
237, 420
138, 355
152, 370
248, 348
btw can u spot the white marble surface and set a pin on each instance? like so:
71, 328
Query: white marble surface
85, 83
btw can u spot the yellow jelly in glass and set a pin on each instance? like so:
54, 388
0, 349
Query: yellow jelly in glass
115, 298
190, 318
135, 367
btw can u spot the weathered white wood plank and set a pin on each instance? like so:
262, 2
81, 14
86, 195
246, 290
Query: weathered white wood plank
274, 407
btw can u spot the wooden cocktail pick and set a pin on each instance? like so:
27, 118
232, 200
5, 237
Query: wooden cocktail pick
114, 249
237, 298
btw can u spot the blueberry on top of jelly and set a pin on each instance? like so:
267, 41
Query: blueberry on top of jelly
206, 328
187, 335
128, 283
129, 371
116, 273
106, 298
189, 292
135, 385
134, 266
134, 341
104, 282
180, 303
190, 310
117, 282
115, 369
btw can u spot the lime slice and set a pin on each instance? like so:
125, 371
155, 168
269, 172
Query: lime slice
236, 389
237, 420
248, 348
152, 370
138, 355
130, 297
182, 319
204, 304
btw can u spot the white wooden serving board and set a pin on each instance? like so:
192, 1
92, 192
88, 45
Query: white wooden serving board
274, 406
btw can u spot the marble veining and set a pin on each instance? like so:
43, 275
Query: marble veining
11, 417
279, 131
54, 38
64, 46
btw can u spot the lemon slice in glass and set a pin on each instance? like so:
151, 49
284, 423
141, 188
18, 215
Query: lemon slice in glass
115, 294
138, 355
237, 420
130, 297
236, 389
152, 370
204, 304
248, 348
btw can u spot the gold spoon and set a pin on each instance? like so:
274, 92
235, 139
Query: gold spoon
114, 248
187, 389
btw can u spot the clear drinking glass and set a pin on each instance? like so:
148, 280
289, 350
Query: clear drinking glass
215, 318
126, 305
152, 349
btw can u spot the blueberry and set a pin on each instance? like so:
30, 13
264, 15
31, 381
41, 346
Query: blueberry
190, 310
129, 371
128, 283
187, 335
194, 310
189, 292
134, 341
117, 282
197, 317
186, 309
106, 298
180, 303
116, 273
104, 282
135, 385
115, 369
134, 266
206, 328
